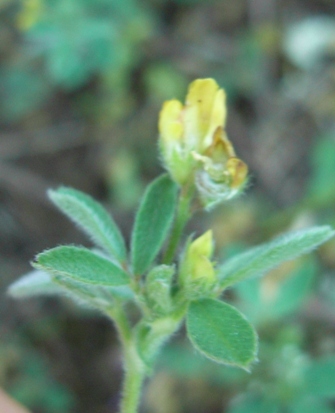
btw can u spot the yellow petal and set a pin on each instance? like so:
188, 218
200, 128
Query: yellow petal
198, 111
221, 148
203, 269
170, 122
217, 118
202, 246
238, 171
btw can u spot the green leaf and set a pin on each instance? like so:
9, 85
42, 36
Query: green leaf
92, 218
82, 265
259, 260
87, 295
34, 283
221, 333
153, 221
39, 282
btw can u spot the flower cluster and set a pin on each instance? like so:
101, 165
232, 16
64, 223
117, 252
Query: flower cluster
194, 144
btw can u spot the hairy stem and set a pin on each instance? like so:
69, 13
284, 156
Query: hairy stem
121, 322
133, 380
182, 217
134, 368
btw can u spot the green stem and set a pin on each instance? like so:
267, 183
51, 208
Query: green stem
121, 322
183, 215
153, 335
133, 380
134, 368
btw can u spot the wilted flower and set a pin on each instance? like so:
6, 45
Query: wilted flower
194, 144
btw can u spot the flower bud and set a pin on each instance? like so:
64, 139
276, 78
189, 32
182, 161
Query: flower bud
202, 246
158, 289
197, 275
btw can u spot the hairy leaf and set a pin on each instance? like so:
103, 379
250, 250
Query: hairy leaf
261, 259
221, 333
152, 223
92, 218
82, 265
35, 282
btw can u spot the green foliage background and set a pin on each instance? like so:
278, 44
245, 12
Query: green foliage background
82, 82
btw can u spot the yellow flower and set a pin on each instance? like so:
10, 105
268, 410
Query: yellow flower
194, 144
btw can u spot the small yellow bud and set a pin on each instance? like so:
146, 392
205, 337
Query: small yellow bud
203, 270
197, 274
202, 246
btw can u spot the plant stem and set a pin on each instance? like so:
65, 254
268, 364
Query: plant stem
133, 380
183, 215
134, 368
121, 322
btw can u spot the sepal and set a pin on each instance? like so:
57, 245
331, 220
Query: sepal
158, 285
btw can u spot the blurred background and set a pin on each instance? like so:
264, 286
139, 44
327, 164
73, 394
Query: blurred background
81, 86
